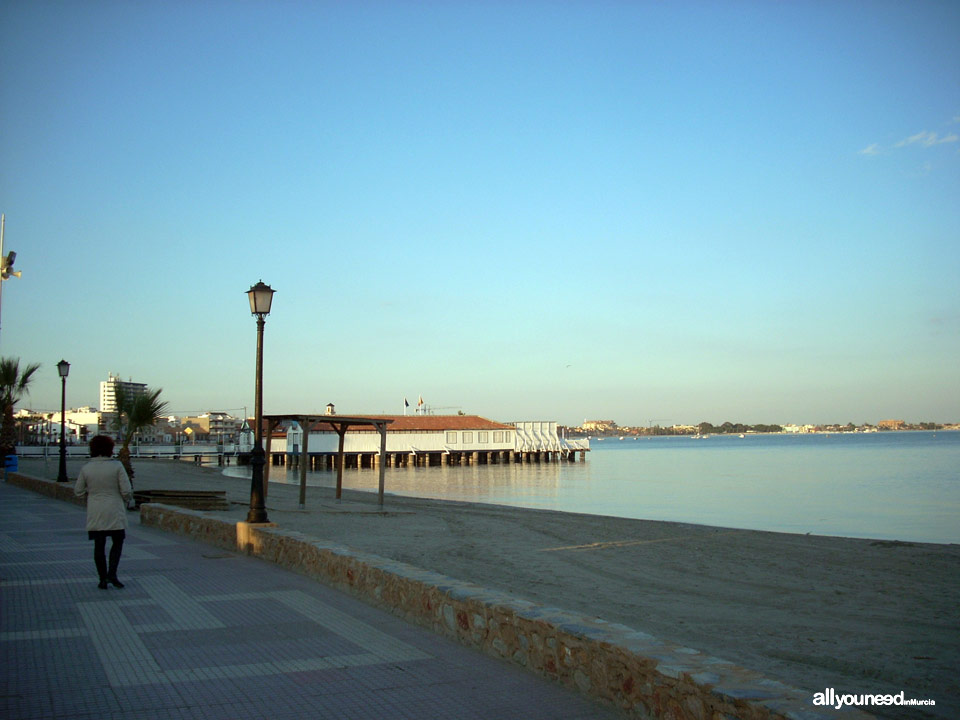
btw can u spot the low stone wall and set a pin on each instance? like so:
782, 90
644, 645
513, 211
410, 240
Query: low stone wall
58, 490
634, 671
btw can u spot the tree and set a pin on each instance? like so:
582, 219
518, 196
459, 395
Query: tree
136, 412
14, 384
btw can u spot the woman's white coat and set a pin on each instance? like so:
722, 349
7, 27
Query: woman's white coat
107, 487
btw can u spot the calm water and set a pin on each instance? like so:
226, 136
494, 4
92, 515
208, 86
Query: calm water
895, 486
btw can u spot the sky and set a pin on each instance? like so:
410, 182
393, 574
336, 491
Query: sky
649, 212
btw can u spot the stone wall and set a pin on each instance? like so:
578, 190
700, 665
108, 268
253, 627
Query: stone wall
634, 671
58, 490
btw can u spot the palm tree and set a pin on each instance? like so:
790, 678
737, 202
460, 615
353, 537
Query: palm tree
14, 384
136, 412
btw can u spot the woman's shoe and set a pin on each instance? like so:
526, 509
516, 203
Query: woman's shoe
113, 581
102, 585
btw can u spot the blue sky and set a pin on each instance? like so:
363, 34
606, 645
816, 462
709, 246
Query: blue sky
676, 212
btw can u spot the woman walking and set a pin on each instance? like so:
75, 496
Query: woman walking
105, 484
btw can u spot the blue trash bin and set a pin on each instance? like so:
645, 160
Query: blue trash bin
11, 463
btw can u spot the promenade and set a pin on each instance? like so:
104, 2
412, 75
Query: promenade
205, 633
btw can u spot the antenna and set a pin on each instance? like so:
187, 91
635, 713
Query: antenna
431, 410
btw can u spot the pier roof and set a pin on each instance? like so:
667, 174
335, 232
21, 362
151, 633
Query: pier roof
413, 423
339, 424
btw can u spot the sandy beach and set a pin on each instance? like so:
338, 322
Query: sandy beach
814, 612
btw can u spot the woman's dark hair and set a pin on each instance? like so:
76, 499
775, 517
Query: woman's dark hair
101, 446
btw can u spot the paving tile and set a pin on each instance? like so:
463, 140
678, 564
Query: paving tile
202, 634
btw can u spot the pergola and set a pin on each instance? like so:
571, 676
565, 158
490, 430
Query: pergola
340, 424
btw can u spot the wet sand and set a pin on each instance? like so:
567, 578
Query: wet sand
859, 616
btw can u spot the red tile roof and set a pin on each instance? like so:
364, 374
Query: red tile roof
421, 423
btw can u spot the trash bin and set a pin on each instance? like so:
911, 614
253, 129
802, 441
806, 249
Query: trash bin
11, 463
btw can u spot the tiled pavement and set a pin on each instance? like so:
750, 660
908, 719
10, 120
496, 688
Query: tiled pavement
199, 632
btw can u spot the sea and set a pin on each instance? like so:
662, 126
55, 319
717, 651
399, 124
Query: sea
889, 485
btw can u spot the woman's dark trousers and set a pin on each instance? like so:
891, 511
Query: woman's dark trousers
107, 572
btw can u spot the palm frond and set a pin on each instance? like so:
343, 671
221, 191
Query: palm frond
14, 382
146, 410
136, 412
121, 398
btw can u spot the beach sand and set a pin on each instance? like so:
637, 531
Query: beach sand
859, 616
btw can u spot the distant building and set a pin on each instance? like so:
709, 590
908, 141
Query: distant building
84, 420
218, 426
108, 391
192, 432
891, 424
599, 425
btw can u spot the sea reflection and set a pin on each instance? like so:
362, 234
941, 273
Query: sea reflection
534, 484
898, 486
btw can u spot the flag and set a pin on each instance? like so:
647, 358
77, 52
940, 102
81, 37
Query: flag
420, 401
405, 403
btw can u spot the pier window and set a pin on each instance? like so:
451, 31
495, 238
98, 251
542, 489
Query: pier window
483, 436
467, 437
451, 438
498, 436
506, 436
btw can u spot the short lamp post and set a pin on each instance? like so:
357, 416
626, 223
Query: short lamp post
63, 367
261, 297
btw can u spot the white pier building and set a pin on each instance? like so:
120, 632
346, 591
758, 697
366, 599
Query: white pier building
425, 440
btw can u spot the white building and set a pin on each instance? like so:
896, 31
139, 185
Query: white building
84, 420
411, 434
108, 391
432, 440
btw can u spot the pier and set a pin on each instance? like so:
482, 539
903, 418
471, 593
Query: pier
419, 441
371, 460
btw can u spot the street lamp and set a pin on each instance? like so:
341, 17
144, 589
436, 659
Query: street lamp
63, 367
261, 297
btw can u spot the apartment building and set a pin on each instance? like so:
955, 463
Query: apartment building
108, 391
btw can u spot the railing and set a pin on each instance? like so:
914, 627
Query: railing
137, 451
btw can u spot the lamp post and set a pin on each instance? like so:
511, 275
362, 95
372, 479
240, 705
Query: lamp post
261, 297
63, 367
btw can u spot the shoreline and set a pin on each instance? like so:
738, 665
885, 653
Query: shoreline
859, 615
363, 494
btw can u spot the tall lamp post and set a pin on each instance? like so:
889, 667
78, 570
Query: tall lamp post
261, 297
63, 367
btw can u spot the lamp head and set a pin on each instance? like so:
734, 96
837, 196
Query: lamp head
63, 367
261, 297
6, 266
